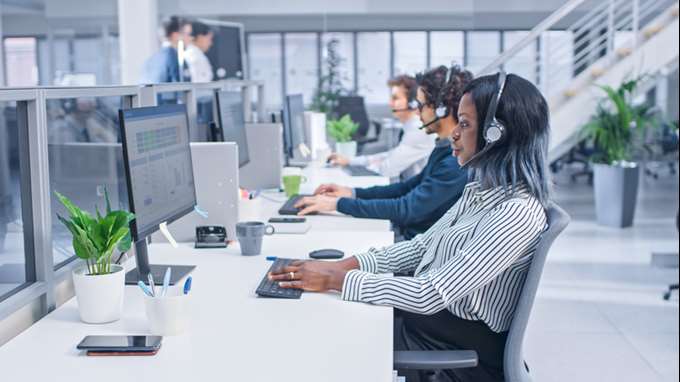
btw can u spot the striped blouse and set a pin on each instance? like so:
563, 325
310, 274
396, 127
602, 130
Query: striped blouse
473, 261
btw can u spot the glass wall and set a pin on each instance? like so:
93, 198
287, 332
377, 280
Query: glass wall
482, 47
345, 50
446, 48
264, 64
524, 62
14, 269
302, 66
373, 49
85, 159
410, 52
21, 61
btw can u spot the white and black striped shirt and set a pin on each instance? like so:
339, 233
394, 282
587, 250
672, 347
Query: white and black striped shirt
473, 261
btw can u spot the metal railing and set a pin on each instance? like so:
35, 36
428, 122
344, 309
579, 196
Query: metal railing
579, 34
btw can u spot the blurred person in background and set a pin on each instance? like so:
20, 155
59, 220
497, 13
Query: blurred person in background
165, 65
200, 69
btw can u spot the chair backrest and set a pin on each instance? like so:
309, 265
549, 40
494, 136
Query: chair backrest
356, 108
515, 369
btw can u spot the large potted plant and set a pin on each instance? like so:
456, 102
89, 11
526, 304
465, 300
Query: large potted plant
99, 284
617, 132
341, 130
330, 85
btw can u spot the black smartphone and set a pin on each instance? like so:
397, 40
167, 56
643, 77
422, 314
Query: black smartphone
120, 343
287, 220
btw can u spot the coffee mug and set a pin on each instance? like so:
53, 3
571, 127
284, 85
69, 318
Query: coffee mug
292, 179
249, 235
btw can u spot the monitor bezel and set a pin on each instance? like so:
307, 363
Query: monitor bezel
218, 103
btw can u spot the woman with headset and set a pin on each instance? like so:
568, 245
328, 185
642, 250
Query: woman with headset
470, 266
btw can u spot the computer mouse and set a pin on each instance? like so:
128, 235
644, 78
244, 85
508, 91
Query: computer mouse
326, 254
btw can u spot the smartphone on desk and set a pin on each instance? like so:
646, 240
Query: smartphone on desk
120, 344
287, 220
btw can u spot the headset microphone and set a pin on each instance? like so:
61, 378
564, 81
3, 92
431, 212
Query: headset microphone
429, 123
398, 110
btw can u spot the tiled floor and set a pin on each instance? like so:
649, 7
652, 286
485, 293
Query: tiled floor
599, 316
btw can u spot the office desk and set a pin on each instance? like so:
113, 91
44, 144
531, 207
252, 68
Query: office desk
268, 203
234, 335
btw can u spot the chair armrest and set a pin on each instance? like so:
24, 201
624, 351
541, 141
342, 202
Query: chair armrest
435, 359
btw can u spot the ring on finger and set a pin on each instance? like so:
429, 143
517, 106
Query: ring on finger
292, 275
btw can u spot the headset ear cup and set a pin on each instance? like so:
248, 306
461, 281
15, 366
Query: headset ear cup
495, 132
440, 111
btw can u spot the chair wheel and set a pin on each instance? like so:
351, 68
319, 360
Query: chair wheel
667, 296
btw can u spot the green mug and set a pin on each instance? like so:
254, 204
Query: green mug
291, 184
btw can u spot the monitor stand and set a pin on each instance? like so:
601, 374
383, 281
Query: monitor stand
157, 270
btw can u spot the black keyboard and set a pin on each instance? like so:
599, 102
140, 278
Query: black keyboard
360, 171
268, 288
288, 207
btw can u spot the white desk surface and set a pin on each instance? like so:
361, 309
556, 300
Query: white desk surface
233, 335
268, 203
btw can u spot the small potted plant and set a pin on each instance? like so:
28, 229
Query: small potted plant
617, 132
99, 284
341, 130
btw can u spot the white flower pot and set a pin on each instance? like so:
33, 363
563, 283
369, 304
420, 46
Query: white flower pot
100, 297
346, 149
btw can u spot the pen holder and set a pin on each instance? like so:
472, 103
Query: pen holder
167, 315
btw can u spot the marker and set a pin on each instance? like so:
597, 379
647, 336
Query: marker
187, 285
271, 258
166, 281
149, 277
145, 289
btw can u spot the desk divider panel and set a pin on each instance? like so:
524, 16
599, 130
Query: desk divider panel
217, 191
265, 146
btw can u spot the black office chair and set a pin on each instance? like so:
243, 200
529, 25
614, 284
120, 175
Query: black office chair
356, 108
515, 369
675, 286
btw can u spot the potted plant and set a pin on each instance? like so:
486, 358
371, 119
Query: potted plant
341, 130
617, 132
99, 284
330, 85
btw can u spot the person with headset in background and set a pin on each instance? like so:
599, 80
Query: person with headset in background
469, 268
414, 145
418, 202
165, 65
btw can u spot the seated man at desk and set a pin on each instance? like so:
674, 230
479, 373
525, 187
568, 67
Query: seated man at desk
471, 265
414, 146
417, 203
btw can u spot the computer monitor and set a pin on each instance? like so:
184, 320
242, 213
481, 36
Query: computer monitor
232, 122
355, 107
294, 129
160, 179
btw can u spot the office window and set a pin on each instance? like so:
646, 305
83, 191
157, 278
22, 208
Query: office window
15, 271
446, 48
557, 60
410, 52
21, 61
302, 67
85, 158
524, 62
264, 54
345, 50
374, 66
482, 48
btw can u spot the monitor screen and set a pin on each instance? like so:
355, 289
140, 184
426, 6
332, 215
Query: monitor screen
233, 123
293, 123
158, 166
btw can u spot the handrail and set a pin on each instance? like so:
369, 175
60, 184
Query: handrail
543, 26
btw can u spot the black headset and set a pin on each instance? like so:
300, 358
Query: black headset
411, 103
494, 130
441, 110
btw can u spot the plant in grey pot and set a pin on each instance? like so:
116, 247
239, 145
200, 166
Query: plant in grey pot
617, 131
99, 284
341, 130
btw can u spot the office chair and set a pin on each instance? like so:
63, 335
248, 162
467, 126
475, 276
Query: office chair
515, 369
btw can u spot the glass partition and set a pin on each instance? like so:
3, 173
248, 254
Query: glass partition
85, 160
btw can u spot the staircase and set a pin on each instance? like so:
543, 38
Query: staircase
587, 42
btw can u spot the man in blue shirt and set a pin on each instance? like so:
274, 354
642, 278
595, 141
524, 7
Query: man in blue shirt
417, 203
164, 65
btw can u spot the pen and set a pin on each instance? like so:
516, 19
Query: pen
271, 258
149, 277
166, 281
187, 285
145, 289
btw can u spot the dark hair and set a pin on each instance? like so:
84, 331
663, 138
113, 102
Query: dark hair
174, 24
521, 156
407, 82
432, 82
452, 91
200, 29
